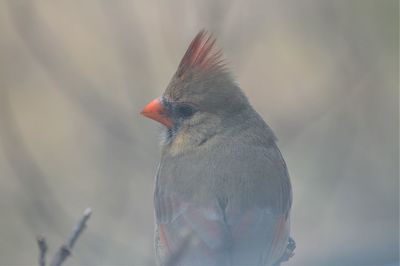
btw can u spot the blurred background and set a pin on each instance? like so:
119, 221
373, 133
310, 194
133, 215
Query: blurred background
74, 76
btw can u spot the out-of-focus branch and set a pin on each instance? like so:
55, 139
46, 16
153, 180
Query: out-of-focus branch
65, 250
54, 58
131, 49
26, 168
42, 250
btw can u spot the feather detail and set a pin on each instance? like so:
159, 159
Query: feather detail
201, 54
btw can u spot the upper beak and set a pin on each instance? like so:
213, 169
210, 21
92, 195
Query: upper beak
155, 110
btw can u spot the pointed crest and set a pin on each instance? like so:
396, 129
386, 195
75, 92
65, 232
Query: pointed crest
201, 54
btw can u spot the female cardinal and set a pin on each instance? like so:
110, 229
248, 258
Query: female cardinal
222, 193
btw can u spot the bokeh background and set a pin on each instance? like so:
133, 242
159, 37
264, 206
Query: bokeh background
74, 76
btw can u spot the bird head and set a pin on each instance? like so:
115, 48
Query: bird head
200, 93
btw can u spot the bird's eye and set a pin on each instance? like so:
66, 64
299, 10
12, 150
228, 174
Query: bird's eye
185, 110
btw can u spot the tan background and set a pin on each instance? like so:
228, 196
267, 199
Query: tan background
75, 74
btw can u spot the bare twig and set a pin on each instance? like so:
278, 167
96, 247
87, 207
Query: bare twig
41, 241
65, 250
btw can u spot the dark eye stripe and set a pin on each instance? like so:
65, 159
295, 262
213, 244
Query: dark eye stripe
185, 111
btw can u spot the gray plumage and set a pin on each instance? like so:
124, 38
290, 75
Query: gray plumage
222, 182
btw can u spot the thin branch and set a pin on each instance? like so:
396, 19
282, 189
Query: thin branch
65, 250
41, 241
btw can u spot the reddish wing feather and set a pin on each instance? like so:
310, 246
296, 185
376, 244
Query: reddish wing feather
201, 54
163, 236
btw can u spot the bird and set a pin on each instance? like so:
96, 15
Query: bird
222, 193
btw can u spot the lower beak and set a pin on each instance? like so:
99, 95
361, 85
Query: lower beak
155, 110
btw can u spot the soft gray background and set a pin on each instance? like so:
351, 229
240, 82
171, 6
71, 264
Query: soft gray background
75, 74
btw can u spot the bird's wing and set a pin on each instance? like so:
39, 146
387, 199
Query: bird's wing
207, 235
252, 233
260, 237
191, 235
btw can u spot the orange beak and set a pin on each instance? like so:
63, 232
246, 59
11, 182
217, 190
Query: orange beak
155, 110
